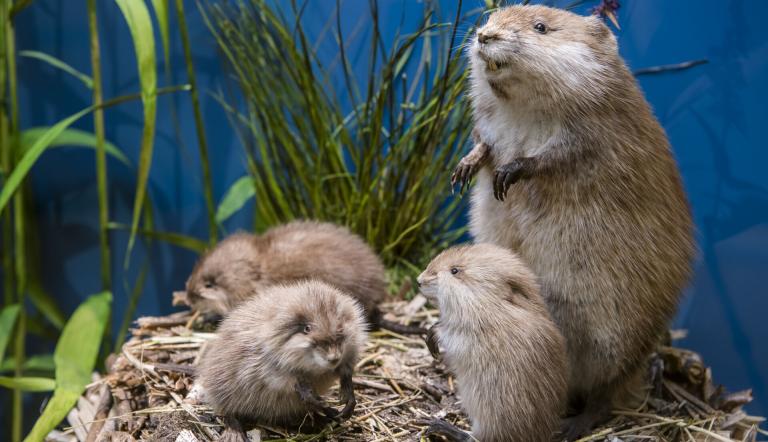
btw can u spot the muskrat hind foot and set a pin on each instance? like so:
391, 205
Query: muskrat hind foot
575, 427
233, 431
449, 432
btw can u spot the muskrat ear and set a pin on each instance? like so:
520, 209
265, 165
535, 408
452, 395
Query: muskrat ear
597, 27
255, 273
518, 289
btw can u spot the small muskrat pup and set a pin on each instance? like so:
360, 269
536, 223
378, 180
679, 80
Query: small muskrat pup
499, 341
277, 352
244, 265
575, 174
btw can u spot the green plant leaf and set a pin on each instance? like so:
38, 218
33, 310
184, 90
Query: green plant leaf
55, 62
238, 194
31, 363
45, 303
176, 239
33, 153
7, 320
18, 174
161, 13
139, 22
28, 383
70, 137
75, 356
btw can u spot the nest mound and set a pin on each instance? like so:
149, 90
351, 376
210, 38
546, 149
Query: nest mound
398, 385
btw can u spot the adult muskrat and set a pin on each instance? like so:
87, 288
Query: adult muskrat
576, 175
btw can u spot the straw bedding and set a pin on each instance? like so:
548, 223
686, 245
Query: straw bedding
399, 386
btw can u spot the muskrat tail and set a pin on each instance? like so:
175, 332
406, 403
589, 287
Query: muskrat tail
400, 328
378, 321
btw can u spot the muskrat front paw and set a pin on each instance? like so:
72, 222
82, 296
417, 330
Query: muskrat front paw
349, 408
505, 176
431, 341
462, 175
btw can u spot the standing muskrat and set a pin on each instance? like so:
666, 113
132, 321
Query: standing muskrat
576, 175
277, 352
500, 342
244, 265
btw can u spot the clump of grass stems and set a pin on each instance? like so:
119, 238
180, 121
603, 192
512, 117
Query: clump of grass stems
380, 164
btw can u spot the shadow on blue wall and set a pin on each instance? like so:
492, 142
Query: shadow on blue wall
714, 114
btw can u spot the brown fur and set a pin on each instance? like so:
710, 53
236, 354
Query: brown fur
599, 213
498, 339
250, 371
244, 265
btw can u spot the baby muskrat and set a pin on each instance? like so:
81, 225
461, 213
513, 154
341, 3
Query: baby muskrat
244, 265
498, 339
277, 352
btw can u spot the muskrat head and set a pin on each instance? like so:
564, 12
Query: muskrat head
463, 275
321, 329
537, 52
225, 276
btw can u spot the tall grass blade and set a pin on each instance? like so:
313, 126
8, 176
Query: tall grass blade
31, 384
161, 14
199, 125
7, 322
133, 301
101, 148
75, 358
6, 157
238, 194
140, 25
71, 138
58, 64
11, 132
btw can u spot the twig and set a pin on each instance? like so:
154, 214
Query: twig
669, 67
102, 411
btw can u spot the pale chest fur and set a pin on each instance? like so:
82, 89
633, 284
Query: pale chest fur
512, 133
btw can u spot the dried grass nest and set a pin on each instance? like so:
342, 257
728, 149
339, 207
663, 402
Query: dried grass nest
398, 387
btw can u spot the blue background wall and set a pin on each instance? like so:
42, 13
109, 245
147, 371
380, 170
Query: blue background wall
715, 116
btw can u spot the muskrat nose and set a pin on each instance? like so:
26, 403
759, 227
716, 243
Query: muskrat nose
485, 37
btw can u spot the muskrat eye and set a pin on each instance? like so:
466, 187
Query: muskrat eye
454, 270
540, 27
209, 284
307, 329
